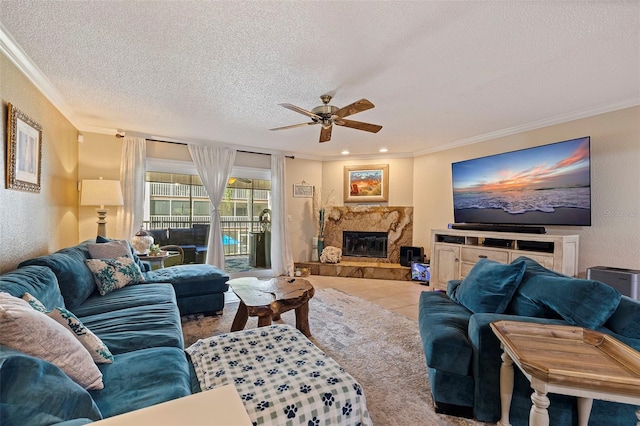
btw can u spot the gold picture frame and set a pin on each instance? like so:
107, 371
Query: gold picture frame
24, 152
366, 184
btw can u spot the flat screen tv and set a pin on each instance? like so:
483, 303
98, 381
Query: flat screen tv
542, 185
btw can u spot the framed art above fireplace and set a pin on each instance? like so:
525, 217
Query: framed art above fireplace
366, 184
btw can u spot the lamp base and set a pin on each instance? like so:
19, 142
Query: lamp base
102, 223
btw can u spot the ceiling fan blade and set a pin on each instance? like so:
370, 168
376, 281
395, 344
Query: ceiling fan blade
325, 134
357, 106
301, 111
294, 126
367, 127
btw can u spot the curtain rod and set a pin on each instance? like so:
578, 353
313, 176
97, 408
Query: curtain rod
121, 135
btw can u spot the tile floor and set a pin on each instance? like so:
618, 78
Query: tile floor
398, 296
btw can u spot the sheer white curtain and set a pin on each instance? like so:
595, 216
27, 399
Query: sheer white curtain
214, 165
132, 179
281, 258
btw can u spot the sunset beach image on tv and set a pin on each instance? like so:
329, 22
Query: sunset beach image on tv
544, 185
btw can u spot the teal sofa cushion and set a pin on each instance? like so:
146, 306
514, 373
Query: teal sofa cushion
35, 392
143, 378
191, 280
127, 297
489, 286
38, 281
141, 327
549, 294
626, 319
443, 330
199, 288
74, 278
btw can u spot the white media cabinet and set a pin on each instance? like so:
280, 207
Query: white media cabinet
455, 251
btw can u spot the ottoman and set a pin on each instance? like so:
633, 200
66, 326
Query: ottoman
281, 377
199, 288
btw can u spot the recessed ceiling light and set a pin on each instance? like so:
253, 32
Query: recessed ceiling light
345, 152
383, 150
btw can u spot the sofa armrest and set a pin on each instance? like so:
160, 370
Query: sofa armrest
443, 328
487, 360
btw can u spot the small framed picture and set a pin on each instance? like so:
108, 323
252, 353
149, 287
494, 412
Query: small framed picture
302, 190
24, 151
366, 184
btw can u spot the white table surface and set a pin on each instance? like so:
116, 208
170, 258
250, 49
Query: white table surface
216, 407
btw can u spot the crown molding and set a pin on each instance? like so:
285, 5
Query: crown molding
558, 119
12, 50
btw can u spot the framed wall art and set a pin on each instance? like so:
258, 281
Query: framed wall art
366, 184
302, 190
24, 152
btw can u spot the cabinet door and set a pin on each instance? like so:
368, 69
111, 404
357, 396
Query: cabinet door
447, 260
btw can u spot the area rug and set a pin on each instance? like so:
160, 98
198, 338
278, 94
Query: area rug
379, 348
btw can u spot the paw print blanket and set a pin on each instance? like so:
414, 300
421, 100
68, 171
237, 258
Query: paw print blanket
282, 378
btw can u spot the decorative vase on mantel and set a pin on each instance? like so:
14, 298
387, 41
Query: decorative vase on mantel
320, 246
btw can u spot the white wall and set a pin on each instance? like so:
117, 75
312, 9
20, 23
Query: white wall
302, 225
400, 180
614, 237
425, 182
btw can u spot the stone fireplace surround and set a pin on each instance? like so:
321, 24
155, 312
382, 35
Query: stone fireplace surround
397, 222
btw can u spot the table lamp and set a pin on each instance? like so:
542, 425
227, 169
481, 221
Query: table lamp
99, 192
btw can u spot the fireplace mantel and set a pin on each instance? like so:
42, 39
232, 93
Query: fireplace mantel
396, 221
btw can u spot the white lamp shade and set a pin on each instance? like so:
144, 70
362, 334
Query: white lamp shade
99, 192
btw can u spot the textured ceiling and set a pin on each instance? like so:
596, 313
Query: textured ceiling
441, 73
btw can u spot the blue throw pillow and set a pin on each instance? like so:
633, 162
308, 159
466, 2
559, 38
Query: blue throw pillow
489, 286
548, 294
74, 279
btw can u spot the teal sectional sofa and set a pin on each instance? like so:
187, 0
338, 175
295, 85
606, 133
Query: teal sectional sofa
139, 324
463, 356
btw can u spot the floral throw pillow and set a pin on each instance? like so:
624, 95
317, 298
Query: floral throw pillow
92, 343
34, 303
112, 274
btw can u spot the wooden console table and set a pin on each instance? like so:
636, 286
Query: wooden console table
566, 360
454, 252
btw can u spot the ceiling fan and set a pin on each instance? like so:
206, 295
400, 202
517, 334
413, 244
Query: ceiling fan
328, 115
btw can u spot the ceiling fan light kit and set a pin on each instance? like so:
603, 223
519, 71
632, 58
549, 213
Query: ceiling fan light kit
327, 115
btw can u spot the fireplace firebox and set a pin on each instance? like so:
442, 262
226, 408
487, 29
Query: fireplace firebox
364, 244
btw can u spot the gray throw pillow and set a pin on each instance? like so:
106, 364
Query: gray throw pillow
110, 250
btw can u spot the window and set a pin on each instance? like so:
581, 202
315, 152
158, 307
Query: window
179, 200
180, 208
176, 199
160, 207
201, 208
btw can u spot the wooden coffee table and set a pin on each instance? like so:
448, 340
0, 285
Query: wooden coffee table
566, 360
268, 299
